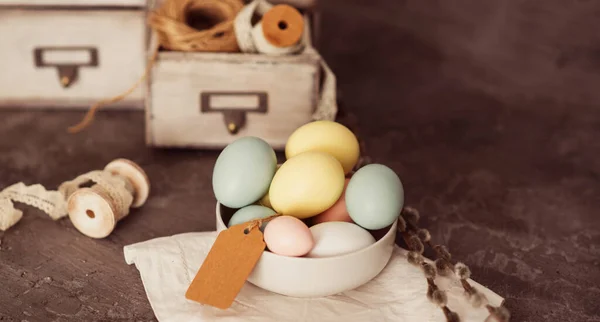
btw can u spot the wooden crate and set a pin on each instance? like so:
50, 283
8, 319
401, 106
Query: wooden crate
71, 53
196, 99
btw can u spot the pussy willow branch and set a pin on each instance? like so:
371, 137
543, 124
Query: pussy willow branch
444, 264
434, 294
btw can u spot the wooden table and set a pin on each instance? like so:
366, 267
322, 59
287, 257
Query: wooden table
493, 129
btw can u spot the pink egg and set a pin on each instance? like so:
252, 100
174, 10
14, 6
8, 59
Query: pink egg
337, 212
288, 236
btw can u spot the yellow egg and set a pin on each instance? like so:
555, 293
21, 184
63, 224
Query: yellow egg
307, 185
265, 201
325, 136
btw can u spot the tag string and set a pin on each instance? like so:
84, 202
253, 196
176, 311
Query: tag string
258, 222
89, 116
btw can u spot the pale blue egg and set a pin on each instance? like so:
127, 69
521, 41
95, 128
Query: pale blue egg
243, 172
374, 196
249, 213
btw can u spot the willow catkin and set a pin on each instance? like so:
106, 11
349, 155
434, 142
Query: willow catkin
444, 265
170, 23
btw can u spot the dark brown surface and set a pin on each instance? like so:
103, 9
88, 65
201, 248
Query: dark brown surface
488, 110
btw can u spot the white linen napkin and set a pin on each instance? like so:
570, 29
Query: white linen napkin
168, 265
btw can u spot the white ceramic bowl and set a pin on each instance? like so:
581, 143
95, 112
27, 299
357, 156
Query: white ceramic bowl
317, 277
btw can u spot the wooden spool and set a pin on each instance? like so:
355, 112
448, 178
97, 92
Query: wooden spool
282, 25
94, 213
136, 176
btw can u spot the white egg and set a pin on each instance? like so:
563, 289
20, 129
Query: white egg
335, 238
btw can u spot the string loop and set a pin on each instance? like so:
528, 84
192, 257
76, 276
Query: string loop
258, 222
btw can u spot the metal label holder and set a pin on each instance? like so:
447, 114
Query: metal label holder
234, 117
67, 72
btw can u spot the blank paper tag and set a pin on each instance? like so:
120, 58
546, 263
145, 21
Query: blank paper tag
227, 266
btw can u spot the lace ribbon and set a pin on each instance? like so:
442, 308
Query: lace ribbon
51, 202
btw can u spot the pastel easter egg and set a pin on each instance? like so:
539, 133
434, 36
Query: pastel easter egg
325, 136
249, 213
307, 185
288, 236
337, 212
266, 200
243, 172
374, 196
336, 238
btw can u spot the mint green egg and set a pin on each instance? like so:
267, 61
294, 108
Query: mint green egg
249, 213
374, 196
243, 172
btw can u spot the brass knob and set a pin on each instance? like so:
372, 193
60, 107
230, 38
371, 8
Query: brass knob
232, 127
65, 81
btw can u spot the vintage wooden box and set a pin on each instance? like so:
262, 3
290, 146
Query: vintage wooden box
207, 100
71, 53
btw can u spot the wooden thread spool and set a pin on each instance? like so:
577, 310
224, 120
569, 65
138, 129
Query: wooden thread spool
282, 25
95, 211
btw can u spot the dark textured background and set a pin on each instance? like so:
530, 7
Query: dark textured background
488, 110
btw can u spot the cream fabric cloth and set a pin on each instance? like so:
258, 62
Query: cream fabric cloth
167, 266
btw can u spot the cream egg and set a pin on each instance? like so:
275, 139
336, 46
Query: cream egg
336, 238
